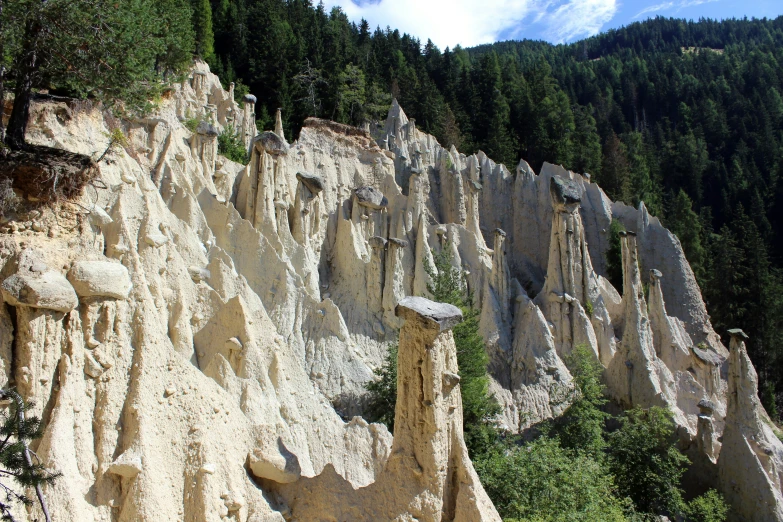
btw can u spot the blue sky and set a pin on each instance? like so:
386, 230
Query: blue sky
472, 22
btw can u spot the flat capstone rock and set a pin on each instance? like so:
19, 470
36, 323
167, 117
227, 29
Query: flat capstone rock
249, 98
271, 143
313, 182
564, 191
49, 290
371, 198
441, 315
706, 406
398, 242
737, 332
206, 129
377, 242
707, 356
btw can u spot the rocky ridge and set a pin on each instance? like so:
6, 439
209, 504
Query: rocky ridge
197, 334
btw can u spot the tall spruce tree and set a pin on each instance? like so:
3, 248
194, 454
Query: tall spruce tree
205, 36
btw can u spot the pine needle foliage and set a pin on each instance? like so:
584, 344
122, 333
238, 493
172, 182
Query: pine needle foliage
382, 399
447, 285
17, 470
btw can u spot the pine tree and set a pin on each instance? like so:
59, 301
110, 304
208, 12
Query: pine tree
686, 225
115, 51
586, 143
615, 175
478, 407
202, 23
382, 392
16, 465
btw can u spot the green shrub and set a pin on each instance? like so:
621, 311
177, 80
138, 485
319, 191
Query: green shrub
581, 427
645, 462
192, 123
382, 396
589, 308
544, 482
231, 146
709, 507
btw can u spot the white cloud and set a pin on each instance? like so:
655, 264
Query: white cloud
654, 9
679, 5
578, 19
473, 22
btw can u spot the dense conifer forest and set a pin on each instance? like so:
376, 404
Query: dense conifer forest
685, 116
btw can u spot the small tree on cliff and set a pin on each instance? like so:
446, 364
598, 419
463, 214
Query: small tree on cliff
111, 50
16, 465
478, 406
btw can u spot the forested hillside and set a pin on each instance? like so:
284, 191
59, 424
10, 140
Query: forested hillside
685, 116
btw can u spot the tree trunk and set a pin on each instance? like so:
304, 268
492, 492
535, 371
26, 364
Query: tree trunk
2, 78
27, 65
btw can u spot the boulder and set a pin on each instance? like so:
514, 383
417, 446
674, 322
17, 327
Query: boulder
398, 242
564, 191
99, 217
49, 290
271, 143
442, 315
127, 465
207, 129
100, 279
377, 242
313, 182
371, 198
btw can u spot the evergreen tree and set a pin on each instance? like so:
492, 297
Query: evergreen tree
615, 172
478, 407
16, 466
586, 143
686, 225
116, 51
202, 23
382, 392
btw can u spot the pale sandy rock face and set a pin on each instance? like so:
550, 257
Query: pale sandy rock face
428, 476
661, 250
750, 466
200, 340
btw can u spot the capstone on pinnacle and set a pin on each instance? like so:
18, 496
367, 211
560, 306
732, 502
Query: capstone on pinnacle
442, 316
313, 182
371, 198
272, 143
564, 191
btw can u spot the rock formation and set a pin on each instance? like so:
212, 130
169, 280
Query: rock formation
197, 334
428, 475
750, 466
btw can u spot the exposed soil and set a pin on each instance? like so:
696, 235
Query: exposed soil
47, 174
